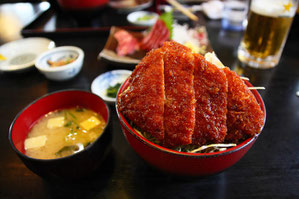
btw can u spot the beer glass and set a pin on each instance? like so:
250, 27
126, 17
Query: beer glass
266, 33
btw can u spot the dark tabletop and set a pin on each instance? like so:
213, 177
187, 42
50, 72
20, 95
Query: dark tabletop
269, 170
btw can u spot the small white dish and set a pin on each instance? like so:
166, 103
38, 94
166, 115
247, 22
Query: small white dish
127, 6
213, 9
101, 83
143, 18
64, 54
21, 54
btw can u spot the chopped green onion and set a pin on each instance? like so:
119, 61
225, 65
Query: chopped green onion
68, 124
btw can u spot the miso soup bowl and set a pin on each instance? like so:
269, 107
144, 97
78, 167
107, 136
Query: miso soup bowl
181, 163
78, 165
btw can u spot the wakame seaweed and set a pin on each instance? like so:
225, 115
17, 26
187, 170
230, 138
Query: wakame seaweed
67, 149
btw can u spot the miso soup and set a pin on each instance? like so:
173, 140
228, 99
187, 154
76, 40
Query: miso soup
63, 132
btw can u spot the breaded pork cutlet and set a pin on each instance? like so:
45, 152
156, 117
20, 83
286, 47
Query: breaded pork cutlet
143, 101
210, 85
180, 98
244, 117
179, 112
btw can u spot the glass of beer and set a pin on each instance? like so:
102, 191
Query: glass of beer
268, 26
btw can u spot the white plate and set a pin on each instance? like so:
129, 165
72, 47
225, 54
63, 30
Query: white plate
21, 54
135, 18
127, 6
103, 81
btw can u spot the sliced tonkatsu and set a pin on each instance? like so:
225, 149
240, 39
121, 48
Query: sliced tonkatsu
180, 98
143, 102
179, 111
210, 85
245, 117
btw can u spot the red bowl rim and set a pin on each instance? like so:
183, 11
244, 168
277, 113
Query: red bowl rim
62, 158
191, 155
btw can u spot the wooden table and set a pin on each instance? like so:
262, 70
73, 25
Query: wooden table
269, 170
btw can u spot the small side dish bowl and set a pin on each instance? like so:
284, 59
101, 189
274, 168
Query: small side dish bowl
143, 18
108, 83
182, 163
62, 63
77, 165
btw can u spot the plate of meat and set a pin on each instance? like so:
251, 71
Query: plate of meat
125, 47
128, 47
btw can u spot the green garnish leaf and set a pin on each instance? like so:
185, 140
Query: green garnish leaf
67, 150
167, 17
112, 90
145, 18
80, 109
71, 114
68, 124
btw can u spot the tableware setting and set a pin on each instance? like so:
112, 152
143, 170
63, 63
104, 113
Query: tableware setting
20, 55
118, 107
123, 47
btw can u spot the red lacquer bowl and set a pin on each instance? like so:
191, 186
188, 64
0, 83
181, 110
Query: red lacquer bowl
81, 4
77, 165
181, 163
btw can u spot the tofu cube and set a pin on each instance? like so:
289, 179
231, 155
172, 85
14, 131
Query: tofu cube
35, 142
90, 123
55, 122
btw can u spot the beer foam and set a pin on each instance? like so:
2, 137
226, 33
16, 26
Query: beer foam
271, 9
